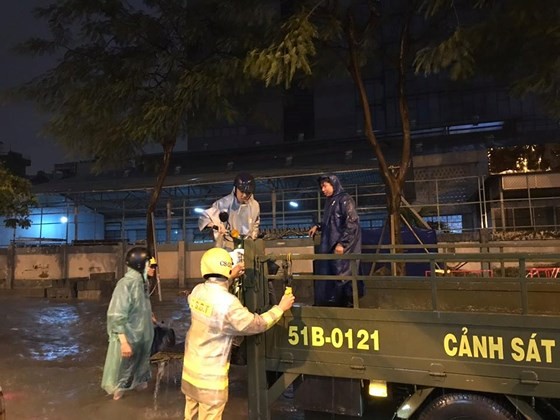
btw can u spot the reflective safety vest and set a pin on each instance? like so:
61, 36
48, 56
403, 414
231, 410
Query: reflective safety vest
217, 317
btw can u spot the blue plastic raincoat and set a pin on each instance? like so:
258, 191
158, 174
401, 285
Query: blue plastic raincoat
340, 225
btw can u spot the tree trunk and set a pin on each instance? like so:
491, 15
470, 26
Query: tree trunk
156, 192
394, 200
393, 177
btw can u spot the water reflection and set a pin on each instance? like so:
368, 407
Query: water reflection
50, 352
51, 363
59, 315
60, 342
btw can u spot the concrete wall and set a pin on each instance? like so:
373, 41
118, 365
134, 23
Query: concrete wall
83, 264
40, 264
179, 265
168, 264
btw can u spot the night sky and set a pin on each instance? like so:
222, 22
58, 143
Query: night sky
20, 123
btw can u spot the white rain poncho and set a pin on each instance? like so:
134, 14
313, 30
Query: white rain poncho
245, 218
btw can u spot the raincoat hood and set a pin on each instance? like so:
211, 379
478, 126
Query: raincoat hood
340, 225
333, 180
340, 222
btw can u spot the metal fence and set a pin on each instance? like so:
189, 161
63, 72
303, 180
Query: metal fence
459, 205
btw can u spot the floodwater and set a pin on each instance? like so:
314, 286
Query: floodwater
51, 362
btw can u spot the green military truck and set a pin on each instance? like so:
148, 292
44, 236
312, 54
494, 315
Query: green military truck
482, 342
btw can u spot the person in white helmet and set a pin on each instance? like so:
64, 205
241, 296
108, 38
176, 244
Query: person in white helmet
217, 316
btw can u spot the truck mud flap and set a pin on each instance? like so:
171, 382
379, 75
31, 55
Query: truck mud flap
524, 408
409, 406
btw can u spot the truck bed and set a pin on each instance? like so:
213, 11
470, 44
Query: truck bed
496, 331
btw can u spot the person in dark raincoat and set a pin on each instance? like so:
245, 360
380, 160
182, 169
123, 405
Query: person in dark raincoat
340, 234
130, 328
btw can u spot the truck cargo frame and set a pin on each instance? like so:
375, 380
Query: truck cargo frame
497, 335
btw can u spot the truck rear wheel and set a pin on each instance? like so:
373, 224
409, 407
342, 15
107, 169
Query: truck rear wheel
465, 406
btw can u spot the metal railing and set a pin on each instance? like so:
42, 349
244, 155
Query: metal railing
431, 311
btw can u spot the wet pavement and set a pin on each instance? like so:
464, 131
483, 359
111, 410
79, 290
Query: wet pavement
51, 362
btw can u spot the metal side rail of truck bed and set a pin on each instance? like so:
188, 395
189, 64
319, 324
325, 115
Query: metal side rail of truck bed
481, 338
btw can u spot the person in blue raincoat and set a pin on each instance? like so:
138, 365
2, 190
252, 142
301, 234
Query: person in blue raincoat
130, 328
340, 234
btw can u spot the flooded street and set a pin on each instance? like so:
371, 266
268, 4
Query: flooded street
51, 362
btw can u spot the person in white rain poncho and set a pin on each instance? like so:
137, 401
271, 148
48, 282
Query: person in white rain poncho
243, 213
217, 317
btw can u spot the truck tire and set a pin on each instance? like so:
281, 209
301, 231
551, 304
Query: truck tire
465, 406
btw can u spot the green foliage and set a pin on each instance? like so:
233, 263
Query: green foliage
314, 41
323, 35
279, 62
132, 74
433, 7
15, 199
454, 54
515, 41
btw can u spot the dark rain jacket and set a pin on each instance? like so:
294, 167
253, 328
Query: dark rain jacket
340, 225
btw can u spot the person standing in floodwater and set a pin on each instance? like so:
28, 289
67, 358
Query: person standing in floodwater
217, 316
130, 328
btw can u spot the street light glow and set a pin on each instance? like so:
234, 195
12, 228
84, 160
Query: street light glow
64, 219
